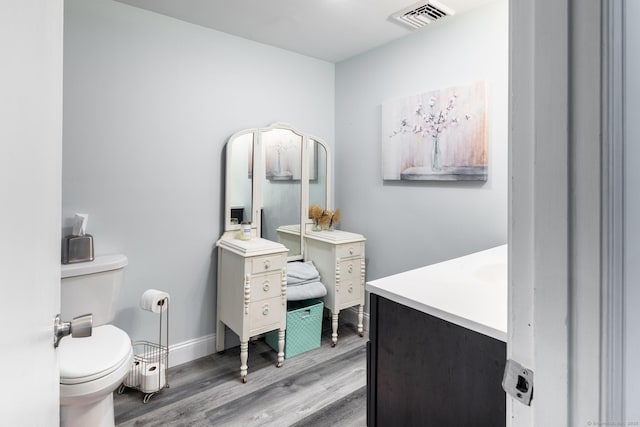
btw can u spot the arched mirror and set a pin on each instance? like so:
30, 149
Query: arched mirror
239, 181
273, 175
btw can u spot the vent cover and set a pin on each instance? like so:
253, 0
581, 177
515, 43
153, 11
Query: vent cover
421, 14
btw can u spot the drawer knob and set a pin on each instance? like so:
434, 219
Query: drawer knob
350, 251
267, 264
350, 268
350, 289
265, 286
265, 310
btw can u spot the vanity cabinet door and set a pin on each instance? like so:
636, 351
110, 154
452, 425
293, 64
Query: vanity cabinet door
425, 371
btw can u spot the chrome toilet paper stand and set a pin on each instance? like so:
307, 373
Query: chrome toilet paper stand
149, 372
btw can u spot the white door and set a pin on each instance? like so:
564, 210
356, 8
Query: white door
30, 208
562, 211
631, 321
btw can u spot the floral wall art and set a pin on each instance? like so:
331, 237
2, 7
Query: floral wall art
282, 156
438, 135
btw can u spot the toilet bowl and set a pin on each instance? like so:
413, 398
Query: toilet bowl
92, 368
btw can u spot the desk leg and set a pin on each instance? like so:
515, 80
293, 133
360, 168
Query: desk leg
280, 348
334, 328
244, 354
360, 317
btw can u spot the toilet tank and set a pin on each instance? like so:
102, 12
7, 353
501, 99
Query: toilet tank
91, 287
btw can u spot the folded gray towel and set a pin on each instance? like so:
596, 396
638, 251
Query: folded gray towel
308, 291
299, 282
302, 271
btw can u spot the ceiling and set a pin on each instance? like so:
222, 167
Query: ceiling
331, 30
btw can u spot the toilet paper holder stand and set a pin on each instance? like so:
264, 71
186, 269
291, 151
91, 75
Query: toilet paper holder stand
149, 371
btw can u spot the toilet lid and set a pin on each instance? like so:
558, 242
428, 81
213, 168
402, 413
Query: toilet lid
90, 358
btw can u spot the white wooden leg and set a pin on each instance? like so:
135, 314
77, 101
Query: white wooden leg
219, 336
244, 354
334, 328
280, 348
360, 317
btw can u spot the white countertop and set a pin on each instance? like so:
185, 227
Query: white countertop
470, 291
247, 248
333, 236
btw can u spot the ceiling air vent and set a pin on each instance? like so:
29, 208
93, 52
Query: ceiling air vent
421, 14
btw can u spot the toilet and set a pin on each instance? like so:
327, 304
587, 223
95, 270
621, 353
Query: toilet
92, 368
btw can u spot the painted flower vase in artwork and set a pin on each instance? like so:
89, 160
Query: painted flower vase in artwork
435, 155
278, 170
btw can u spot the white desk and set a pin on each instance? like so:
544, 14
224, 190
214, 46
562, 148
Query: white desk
339, 257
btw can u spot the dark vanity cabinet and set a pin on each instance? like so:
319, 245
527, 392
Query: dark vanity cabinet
425, 371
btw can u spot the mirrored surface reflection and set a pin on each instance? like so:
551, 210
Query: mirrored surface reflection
239, 179
317, 174
282, 188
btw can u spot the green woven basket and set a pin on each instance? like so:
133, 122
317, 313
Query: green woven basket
304, 328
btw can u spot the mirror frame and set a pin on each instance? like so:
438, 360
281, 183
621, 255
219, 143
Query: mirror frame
259, 171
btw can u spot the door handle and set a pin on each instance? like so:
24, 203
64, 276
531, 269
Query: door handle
79, 327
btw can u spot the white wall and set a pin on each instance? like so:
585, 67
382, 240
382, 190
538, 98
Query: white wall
632, 209
411, 224
149, 102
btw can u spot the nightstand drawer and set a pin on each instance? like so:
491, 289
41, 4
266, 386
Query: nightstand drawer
265, 312
350, 269
349, 293
266, 286
348, 250
267, 263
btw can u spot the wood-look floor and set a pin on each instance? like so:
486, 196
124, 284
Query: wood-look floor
322, 387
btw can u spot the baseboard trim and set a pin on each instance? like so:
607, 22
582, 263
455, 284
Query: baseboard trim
196, 348
193, 349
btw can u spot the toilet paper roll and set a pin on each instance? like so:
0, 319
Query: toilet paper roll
154, 300
153, 377
134, 378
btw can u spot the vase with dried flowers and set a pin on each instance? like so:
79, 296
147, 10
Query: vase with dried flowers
315, 213
323, 219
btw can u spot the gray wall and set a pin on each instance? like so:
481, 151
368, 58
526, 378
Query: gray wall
412, 224
149, 102
632, 209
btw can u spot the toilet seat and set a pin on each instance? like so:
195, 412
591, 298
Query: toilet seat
83, 360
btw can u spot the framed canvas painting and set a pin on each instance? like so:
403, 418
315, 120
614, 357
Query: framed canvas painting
438, 135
